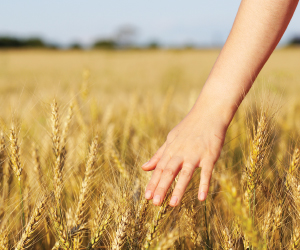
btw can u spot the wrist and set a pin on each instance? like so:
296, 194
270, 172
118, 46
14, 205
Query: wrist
217, 103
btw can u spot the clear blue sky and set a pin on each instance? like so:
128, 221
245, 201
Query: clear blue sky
169, 21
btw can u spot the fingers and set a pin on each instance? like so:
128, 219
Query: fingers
206, 172
151, 164
168, 175
184, 178
156, 177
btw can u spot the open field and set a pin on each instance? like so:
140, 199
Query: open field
77, 125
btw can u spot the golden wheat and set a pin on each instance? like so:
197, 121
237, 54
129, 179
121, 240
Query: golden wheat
95, 185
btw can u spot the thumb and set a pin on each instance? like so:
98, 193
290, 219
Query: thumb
151, 164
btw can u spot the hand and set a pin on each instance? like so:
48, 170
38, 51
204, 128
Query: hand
195, 142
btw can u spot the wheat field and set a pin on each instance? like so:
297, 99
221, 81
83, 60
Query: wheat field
76, 126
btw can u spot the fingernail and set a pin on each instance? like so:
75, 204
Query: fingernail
148, 194
156, 200
173, 201
145, 164
202, 196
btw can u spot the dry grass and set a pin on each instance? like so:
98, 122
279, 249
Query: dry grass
70, 175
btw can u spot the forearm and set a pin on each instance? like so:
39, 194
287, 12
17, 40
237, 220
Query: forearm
257, 29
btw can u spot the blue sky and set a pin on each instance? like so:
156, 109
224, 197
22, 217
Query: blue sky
168, 21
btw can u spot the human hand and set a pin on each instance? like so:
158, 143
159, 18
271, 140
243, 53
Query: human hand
195, 142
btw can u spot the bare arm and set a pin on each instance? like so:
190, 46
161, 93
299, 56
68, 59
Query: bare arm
198, 139
257, 29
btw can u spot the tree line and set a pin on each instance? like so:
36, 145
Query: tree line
8, 42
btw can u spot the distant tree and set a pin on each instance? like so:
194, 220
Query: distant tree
153, 45
34, 43
295, 41
189, 46
10, 42
53, 46
13, 42
75, 46
105, 44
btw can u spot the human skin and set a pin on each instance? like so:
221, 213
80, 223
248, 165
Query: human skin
198, 139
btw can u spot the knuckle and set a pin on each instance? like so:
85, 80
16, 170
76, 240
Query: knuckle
186, 173
187, 165
176, 159
159, 169
169, 172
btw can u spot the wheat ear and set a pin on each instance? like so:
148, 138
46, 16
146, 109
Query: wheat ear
16, 163
2, 158
15, 153
295, 240
99, 213
157, 221
118, 163
32, 225
168, 241
67, 125
37, 165
120, 236
4, 240
140, 220
58, 165
60, 229
190, 216
96, 237
291, 178
55, 129
79, 215
257, 155
83, 197
227, 239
